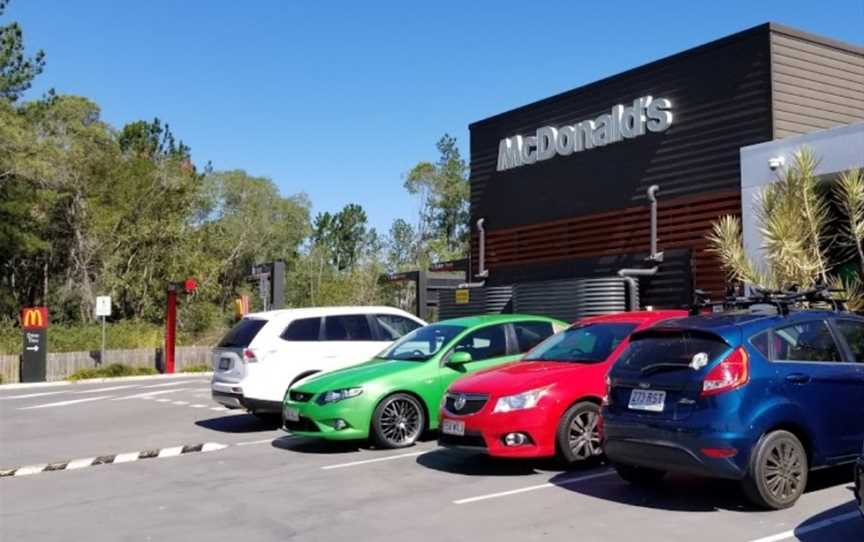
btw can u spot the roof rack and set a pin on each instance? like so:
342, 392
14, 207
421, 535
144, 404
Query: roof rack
782, 300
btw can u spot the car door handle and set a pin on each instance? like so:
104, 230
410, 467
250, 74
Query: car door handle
798, 378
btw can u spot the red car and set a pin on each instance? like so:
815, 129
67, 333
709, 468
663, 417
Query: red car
548, 403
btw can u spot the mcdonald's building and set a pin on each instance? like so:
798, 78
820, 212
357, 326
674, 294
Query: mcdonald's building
561, 188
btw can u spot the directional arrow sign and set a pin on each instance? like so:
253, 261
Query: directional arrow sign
33, 348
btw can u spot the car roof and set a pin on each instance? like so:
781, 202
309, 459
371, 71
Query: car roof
746, 319
311, 312
487, 319
634, 316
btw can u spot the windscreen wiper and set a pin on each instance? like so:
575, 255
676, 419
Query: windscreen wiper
656, 367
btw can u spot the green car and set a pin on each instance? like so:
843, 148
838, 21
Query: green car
394, 397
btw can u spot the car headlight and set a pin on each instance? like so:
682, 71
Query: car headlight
333, 396
520, 401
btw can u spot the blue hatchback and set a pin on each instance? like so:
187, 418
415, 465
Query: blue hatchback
760, 398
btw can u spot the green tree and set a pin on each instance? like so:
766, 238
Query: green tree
344, 236
401, 246
17, 70
443, 190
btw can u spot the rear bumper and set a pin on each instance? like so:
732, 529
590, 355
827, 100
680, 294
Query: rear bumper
485, 432
676, 449
859, 484
236, 400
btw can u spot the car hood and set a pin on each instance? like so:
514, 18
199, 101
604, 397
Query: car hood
357, 375
518, 377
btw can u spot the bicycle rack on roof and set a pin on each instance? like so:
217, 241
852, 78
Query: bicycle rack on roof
781, 300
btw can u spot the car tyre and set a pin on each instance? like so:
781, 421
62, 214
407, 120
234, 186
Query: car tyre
639, 476
578, 439
777, 472
398, 421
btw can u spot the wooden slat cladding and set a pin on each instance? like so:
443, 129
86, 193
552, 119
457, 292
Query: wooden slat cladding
817, 84
721, 101
682, 223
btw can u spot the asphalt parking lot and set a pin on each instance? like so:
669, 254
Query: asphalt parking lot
254, 482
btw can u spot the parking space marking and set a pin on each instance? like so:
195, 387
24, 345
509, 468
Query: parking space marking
31, 395
376, 460
180, 403
809, 528
64, 403
180, 383
263, 441
148, 394
99, 390
564, 482
163, 400
199, 405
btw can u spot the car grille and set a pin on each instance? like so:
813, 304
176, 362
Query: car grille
299, 396
304, 424
473, 403
468, 440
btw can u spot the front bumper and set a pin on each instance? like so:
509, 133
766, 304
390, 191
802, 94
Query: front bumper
319, 420
674, 449
485, 432
859, 484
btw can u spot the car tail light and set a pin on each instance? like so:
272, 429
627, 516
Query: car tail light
249, 356
732, 373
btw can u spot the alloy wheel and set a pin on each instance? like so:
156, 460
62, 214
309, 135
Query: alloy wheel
584, 435
401, 421
784, 471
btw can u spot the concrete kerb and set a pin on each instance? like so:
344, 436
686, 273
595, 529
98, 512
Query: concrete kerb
60, 383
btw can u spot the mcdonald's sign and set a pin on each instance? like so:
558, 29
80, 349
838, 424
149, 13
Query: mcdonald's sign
34, 318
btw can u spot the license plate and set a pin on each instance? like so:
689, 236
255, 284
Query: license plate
453, 427
651, 400
291, 414
224, 364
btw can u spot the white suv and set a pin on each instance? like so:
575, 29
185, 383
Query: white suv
266, 352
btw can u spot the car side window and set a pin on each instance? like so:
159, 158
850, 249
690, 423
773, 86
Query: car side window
349, 327
807, 341
302, 329
853, 332
393, 326
530, 334
760, 342
485, 343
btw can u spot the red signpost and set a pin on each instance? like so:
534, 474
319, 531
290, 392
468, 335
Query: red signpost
187, 286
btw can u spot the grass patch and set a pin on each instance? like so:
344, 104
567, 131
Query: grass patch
110, 371
197, 369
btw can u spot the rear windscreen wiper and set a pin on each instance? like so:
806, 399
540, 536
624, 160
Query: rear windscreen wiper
655, 367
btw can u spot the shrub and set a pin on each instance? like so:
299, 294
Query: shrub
110, 371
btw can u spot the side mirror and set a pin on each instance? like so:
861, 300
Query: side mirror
459, 358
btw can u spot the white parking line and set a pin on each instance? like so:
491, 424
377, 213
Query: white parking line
262, 441
64, 403
148, 394
163, 400
564, 482
180, 403
198, 406
99, 390
376, 460
809, 528
29, 395
180, 383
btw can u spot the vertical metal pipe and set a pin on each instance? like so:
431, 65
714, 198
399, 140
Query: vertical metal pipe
652, 197
481, 258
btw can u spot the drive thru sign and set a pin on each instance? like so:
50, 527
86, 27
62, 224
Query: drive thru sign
34, 325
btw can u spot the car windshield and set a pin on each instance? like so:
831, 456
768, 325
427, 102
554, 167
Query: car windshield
590, 343
422, 343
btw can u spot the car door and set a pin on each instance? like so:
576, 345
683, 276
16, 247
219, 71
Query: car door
489, 346
813, 374
851, 333
348, 340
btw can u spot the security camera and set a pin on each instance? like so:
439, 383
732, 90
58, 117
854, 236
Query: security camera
776, 162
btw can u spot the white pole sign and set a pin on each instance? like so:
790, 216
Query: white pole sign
103, 305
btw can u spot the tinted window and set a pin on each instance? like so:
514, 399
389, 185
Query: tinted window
760, 343
486, 343
242, 333
393, 326
584, 344
530, 334
664, 350
808, 341
351, 327
853, 332
304, 329
422, 343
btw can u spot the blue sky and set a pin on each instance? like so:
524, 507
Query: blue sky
340, 99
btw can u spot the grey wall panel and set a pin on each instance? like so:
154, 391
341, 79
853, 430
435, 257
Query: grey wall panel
817, 83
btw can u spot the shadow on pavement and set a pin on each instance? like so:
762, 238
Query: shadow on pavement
475, 464
823, 531
239, 423
683, 493
317, 445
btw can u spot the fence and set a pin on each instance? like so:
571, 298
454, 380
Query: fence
63, 364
